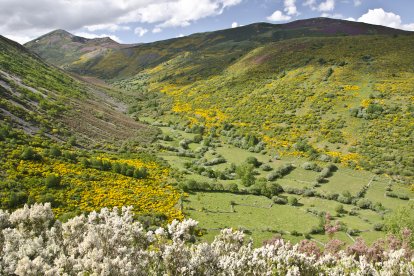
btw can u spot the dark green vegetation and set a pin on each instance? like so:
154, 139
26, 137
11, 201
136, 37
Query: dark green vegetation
267, 127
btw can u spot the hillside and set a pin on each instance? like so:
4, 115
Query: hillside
40, 98
67, 142
317, 87
62, 48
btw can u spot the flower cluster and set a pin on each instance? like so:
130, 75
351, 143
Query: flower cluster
112, 243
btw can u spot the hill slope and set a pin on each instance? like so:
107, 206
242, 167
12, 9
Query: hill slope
60, 142
37, 97
322, 88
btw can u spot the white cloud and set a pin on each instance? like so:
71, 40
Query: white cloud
357, 3
156, 30
389, 19
332, 15
91, 35
326, 6
178, 13
140, 31
310, 3
109, 27
290, 7
234, 25
18, 38
27, 19
180, 35
278, 16
408, 27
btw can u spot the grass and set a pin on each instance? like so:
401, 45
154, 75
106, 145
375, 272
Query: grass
213, 211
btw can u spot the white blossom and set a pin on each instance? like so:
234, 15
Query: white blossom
110, 242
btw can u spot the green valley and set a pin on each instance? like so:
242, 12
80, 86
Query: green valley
275, 130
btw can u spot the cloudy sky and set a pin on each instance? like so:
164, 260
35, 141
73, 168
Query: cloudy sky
132, 21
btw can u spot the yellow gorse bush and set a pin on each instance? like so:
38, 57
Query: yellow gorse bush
87, 189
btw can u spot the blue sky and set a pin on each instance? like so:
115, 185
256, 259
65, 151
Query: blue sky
133, 21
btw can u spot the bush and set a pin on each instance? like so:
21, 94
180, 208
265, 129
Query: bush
378, 226
279, 200
311, 166
266, 168
403, 197
293, 201
364, 203
344, 200
353, 232
273, 176
140, 173
253, 160
215, 161
316, 230
52, 181
246, 173
55, 152
309, 193
29, 154
391, 194
16, 199
232, 187
340, 209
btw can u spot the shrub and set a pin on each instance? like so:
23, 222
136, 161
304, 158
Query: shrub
378, 226
253, 160
364, 203
52, 181
403, 197
340, 209
279, 200
232, 187
55, 151
293, 201
246, 173
353, 232
29, 154
266, 168
140, 173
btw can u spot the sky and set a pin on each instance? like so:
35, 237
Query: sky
141, 21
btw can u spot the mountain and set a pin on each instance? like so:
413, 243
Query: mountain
111, 60
321, 88
62, 48
40, 98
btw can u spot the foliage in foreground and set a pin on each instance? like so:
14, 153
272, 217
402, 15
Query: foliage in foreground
112, 243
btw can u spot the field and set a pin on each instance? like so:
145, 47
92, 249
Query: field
263, 219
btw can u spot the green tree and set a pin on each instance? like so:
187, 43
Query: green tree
246, 173
400, 220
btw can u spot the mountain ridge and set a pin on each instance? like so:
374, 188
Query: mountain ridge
85, 59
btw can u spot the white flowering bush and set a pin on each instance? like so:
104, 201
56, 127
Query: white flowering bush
110, 242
